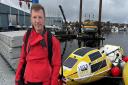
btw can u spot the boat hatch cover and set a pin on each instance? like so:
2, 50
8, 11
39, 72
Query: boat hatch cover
81, 52
95, 56
70, 62
98, 66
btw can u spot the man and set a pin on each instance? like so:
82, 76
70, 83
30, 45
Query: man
38, 70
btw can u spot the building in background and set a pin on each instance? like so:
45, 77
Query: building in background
13, 15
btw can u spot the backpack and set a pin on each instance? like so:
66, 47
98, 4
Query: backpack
50, 53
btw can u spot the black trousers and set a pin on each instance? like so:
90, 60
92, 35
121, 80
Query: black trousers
33, 83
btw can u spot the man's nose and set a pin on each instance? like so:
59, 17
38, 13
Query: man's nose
37, 20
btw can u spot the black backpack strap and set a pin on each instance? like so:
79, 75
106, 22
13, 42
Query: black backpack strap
50, 53
26, 39
21, 81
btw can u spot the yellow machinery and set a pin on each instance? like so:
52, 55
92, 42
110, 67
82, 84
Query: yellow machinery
89, 29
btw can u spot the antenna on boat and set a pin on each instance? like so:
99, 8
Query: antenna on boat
93, 16
89, 15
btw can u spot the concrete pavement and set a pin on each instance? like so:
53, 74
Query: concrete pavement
7, 76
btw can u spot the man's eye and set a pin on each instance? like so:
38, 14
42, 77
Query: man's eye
40, 17
34, 17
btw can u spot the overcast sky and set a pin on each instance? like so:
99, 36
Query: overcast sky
112, 10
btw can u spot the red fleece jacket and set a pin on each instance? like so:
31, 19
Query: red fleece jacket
38, 68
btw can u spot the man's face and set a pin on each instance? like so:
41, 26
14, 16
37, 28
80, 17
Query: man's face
38, 20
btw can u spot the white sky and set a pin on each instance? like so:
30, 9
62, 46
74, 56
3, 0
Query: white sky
112, 10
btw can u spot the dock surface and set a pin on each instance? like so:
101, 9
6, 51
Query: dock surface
7, 76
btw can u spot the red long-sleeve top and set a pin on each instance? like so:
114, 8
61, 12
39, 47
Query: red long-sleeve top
38, 68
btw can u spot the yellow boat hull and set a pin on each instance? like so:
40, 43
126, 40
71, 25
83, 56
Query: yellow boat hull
90, 67
89, 80
125, 74
86, 65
